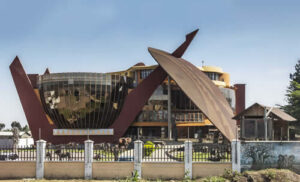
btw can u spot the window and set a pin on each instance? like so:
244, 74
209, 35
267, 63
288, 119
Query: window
261, 128
145, 73
249, 126
213, 76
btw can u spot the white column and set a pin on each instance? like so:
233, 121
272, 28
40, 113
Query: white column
138, 155
40, 158
88, 159
188, 158
236, 155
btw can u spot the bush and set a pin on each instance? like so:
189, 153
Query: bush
214, 179
231, 175
270, 174
149, 147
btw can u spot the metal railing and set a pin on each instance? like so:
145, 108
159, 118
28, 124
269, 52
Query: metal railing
17, 153
209, 152
64, 153
163, 153
113, 153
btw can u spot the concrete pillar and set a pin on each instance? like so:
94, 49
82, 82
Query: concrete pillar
138, 155
88, 159
236, 155
40, 158
188, 159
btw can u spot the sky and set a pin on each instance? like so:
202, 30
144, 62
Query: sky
257, 42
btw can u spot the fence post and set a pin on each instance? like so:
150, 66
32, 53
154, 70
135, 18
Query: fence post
236, 155
188, 159
40, 158
138, 155
88, 159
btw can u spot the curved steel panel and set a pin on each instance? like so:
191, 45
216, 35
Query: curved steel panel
200, 89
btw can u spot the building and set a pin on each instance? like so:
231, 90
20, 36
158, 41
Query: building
173, 99
188, 121
6, 139
259, 122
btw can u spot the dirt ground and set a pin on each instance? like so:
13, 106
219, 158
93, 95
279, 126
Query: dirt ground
268, 175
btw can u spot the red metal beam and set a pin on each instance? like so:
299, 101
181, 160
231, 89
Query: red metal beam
32, 107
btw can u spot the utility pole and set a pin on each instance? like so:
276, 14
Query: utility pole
169, 110
266, 114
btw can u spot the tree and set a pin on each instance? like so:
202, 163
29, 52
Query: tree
16, 124
16, 136
293, 94
2, 126
25, 128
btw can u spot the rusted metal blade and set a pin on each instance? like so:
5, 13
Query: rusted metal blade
182, 48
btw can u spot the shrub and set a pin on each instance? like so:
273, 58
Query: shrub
214, 179
149, 147
270, 174
231, 175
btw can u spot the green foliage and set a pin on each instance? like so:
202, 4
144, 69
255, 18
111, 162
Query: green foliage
149, 143
293, 94
2, 126
149, 147
25, 128
186, 176
231, 175
270, 174
214, 179
16, 124
135, 176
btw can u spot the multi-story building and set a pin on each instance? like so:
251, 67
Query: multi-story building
188, 121
173, 99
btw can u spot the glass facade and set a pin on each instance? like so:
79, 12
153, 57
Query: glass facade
183, 109
83, 100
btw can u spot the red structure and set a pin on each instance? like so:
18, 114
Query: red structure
42, 121
240, 95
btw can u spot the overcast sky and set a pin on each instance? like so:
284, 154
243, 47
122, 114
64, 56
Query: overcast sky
257, 42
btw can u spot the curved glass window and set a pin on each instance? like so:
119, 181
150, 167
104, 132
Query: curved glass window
83, 100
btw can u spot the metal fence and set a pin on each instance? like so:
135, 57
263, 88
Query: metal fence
202, 152
113, 153
209, 152
19, 153
64, 153
163, 153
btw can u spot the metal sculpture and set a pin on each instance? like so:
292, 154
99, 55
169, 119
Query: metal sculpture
192, 81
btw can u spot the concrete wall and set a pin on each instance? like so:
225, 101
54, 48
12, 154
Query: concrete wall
256, 155
14, 170
112, 170
64, 170
165, 170
209, 169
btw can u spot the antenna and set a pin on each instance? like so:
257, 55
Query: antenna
202, 63
88, 135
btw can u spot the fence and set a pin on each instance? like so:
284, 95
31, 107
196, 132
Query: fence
91, 161
107, 153
163, 153
17, 153
64, 153
209, 152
